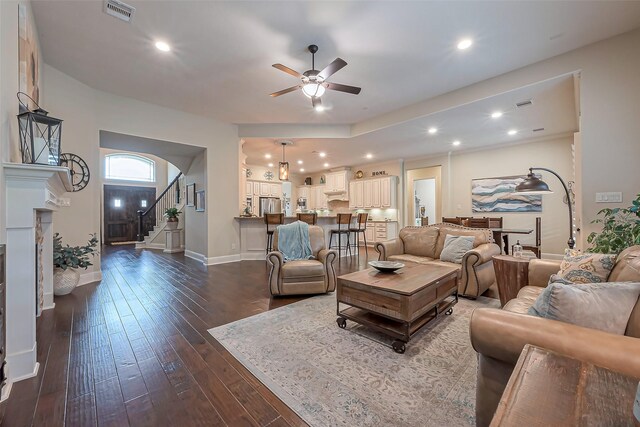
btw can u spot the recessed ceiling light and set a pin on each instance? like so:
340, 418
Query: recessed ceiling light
496, 114
299, 162
456, 143
326, 165
301, 169
322, 154
465, 44
512, 132
270, 165
267, 156
433, 130
369, 156
163, 46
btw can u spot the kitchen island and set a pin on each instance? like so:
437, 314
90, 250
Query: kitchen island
253, 233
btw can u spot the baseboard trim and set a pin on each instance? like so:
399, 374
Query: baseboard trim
253, 256
195, 255
91, 277
223, 259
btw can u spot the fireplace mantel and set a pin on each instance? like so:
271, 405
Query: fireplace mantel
33, 193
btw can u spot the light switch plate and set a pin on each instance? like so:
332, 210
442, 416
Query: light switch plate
610, 197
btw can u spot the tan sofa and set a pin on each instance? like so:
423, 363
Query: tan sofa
423, 245
500, 335
312, 276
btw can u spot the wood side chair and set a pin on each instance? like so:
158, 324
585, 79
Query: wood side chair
272, 220
478, 222
456, 221
344, 222
361, 227
424, 221
309, 218
537, 248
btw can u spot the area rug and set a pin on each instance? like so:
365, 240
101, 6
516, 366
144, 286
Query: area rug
351, 377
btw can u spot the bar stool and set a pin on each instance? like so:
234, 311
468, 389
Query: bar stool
309, 218
272, 220
361, 223
344, 221
478, 223
456, 221
424, 221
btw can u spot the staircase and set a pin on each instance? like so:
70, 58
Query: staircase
172, 196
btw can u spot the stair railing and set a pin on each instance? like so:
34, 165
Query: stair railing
169, 198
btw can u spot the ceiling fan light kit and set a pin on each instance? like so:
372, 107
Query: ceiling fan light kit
313, 82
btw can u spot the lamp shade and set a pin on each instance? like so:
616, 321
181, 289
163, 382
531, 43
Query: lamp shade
313, 89
284, 171
533, 185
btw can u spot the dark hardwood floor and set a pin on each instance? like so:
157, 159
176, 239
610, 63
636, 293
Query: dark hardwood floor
134, 349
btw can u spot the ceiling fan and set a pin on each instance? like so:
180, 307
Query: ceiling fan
313, 82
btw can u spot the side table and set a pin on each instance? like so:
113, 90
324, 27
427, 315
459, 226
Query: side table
512, 274
550, 389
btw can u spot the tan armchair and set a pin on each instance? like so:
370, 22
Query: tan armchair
500, 335
312, 276
423, 245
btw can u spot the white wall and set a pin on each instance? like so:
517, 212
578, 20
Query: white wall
460, 168
86, 111
196, 222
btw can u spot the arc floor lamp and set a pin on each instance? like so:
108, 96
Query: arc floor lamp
534, 185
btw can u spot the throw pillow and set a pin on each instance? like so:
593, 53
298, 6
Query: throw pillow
603, 306
555, 278
580, 267
455, 247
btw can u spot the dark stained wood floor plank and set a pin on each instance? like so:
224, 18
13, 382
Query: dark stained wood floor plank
135, 348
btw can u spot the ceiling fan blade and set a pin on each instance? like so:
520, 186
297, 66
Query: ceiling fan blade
287, 90
316, 102
343, 88
332, 68
287, 70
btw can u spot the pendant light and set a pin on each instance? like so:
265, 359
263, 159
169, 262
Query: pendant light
283, 166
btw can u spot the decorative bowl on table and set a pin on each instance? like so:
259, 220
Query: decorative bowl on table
386, 266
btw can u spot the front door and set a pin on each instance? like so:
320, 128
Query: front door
121, 204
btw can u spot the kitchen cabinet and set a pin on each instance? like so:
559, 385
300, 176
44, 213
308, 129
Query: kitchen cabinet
249, 188
379, 231
255, 205
337, 182
373, 193
303, 192
265, 189
367, 194
275, 190
321, 198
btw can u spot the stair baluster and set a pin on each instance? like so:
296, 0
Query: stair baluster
170, 197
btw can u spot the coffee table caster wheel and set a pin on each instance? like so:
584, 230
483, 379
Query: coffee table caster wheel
342, 322
398, 346
449, 312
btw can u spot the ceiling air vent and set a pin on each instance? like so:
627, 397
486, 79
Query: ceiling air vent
119, 10
524, 103
538, 129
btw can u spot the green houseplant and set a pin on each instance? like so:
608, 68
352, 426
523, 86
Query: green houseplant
67, 260
620, 229
172, 218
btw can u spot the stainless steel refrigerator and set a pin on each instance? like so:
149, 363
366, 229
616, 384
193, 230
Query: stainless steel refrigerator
270, 205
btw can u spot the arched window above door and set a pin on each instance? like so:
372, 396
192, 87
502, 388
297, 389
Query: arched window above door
129, 167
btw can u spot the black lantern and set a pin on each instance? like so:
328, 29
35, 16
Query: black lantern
40, 136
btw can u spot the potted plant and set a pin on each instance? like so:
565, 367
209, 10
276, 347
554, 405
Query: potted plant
172, 218
620, 229
67, 260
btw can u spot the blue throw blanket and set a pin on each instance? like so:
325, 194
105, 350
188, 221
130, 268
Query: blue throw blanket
293, 241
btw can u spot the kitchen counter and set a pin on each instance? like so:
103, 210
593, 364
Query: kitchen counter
253, 235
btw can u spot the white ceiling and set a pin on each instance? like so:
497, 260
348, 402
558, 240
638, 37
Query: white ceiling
398, 52
553, 109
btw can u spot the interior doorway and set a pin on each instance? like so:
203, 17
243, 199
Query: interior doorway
424, 198
121, 204
424, 195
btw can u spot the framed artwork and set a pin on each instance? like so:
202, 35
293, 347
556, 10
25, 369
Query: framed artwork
191, 195
28, 57
498, 195
200, 201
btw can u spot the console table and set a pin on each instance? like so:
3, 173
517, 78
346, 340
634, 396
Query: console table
549, 389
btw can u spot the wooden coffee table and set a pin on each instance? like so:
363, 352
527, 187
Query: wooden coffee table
397, 304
